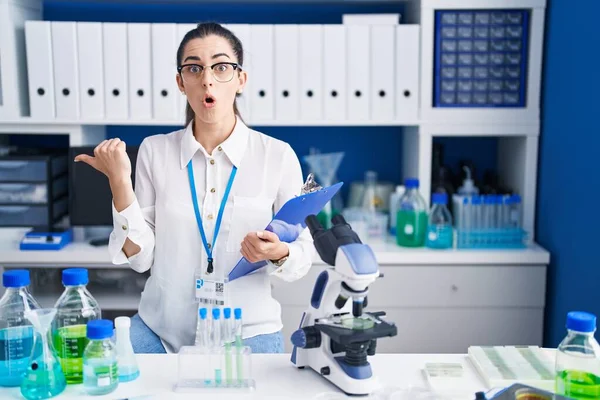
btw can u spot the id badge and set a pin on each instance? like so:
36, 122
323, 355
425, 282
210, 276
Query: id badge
210, 291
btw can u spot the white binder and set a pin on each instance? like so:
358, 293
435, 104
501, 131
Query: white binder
286, 73
311, 72
371, 19
334, 72
382, 72
66, 76
91, 70
139, 61
116, 82
242, 32
358, 58
262, 104
40, 74
165, 92
182, 30
407, 72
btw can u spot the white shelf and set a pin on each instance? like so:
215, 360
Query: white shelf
60, 125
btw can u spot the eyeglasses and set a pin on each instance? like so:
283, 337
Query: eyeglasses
223, 72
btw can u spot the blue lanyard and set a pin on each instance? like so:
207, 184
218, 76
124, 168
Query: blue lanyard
209, 249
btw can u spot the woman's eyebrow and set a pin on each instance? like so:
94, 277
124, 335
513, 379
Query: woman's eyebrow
220, 55
195, 58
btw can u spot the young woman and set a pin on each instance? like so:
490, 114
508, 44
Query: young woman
203, 196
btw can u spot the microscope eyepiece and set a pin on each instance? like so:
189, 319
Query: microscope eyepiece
313, 224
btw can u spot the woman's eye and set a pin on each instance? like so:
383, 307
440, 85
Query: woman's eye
195, 69
222, 67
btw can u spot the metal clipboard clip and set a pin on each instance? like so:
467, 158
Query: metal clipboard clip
310, 185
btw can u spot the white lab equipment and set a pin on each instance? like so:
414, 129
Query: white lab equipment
468, 187
127, 364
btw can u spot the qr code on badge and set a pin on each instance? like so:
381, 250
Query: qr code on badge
219, 288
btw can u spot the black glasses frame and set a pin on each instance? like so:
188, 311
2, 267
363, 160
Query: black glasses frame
235, 66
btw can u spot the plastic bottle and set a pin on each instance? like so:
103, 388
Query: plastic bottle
395, 206
578, 359
411, 220
370, 201
128, 366
468, 187
439, 229
16, 331
75, 308
100, 370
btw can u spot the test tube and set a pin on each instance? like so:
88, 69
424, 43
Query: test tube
227, 338
238, 344
476, 212
515, 211
202, 333
216, 342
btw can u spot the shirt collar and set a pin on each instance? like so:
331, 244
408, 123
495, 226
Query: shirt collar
234, 146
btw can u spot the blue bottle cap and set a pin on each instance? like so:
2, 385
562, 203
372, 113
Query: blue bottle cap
488, 200
507, 199
216, 312
516, 199
581, 321
203, 312
227, 312
466, 200
75, 277
439, 198
476, 200
15, 278
237, 313
411, 183
99, 329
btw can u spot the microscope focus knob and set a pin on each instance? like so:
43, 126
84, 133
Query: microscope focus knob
307, 338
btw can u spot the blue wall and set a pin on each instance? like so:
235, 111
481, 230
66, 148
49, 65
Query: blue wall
376, 148
568, 175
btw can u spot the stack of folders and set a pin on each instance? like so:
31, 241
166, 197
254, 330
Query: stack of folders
91, 71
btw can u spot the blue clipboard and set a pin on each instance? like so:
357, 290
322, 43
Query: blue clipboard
288, 223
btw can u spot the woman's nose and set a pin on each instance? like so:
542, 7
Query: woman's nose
207, 78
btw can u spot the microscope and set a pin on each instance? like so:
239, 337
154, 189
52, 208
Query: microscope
335, 334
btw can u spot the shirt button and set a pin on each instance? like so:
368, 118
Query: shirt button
212, 190
212, 162
208, 245
124, 227
220, 148
210, 216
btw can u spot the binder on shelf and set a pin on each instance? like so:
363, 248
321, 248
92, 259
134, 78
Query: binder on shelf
140, 64
289, 222
165, 92
40, 72
286, 72
383, 72
262, 97
407, 72
334, 73
242, 32
116, 79
371, 19
182, 30
311, 72
66, 74
91, 70
358, 55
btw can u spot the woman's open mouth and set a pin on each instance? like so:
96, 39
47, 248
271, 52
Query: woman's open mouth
209, 101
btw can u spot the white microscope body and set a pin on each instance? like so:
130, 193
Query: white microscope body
322, 342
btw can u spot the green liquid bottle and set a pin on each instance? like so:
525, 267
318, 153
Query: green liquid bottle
412, 218
578, 359
75, 308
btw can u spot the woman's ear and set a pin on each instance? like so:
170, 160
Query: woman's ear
242, 78
180, 83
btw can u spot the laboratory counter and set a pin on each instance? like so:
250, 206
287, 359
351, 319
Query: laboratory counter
277, 378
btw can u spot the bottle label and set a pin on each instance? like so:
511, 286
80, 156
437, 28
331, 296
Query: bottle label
409, 229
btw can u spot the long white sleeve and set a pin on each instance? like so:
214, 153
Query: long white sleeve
136, 222
302, 249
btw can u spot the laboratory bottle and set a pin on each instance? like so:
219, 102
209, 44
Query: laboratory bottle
16, 331
126, 361
578, 359
100, 368
468, 187
75, 308
395, 206
439, 228
411, 220
202, 329
370, 201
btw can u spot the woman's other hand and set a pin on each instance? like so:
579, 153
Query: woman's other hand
111, 159
262, 246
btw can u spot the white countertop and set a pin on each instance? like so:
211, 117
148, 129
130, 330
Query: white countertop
277, 378
387, 253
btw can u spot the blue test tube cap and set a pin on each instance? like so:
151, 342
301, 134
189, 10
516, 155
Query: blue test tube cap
75, 277
15, 278
411, 183
476, 200
203, 312
227, 312
516, 199
439, 198
237, 313
216, 313
488, 200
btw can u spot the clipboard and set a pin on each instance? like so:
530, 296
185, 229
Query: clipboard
289, 222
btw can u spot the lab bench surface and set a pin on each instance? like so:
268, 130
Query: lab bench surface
277, 378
